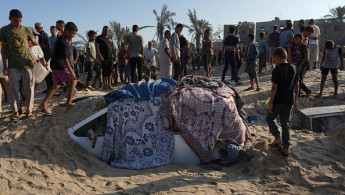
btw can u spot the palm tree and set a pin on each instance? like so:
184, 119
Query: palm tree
117, 32
337, 13
197, 28
80, 44
163, 20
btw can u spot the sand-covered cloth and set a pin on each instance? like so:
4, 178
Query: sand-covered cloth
135, 137
203, 110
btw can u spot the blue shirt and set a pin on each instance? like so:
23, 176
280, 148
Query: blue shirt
261, 45
284, 37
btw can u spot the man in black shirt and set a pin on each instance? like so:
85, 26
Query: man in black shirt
43, 40
284, 96
106, 52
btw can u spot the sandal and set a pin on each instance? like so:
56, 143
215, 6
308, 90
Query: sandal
249, 88
45, 112
14, 118
258, 89
284, 152
30, 116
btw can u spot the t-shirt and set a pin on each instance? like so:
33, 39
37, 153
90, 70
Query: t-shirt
164, 43
300, 53
17, 43
62, 51
43, 40
92, 47
183, 43
274, 39
52, 41
135, 42
150, 56
331, 57
175, 43
284, 37
294, 48
261, 45
207, 46
285, 76
251, 53
316, 33
230, 41
105, 46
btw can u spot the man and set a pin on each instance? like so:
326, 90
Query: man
136, 53
60, 26
149, 56
43, 40
300, 24
207, 52
231, 55
273, 42
52, 38
286, 36
176, 52
81, 62
165, 67
15, 48
314, 44
184, 44
106, 52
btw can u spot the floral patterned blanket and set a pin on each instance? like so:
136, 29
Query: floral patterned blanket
135, 137
203, 110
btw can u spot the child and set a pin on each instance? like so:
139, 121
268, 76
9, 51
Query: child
302, 62
262, 51
61, 67
91, 60
250, 56
329, 62
284, 95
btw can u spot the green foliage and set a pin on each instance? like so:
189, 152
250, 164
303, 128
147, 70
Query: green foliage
197, 28
117, 32
337, 13
164, 20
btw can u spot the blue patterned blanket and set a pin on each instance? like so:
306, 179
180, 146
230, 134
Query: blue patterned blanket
135, 137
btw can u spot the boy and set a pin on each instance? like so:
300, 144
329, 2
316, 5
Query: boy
91, 60
20, 68
302, 62
62, 68
207, 52
284, 95
329, 62
250, 56
262, 51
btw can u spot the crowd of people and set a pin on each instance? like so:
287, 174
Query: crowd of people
290, 53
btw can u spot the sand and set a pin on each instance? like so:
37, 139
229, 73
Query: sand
38, 157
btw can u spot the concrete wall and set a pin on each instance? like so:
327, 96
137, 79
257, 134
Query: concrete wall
245, 28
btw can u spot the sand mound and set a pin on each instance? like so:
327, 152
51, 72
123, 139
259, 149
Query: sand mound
38, 157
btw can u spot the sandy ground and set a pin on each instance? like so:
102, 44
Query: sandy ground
38, 157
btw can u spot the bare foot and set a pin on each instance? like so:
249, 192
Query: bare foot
319, 95
70, 105
105, 88
42, 107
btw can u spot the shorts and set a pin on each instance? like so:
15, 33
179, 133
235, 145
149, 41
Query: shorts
272, 48
61, 76
262, 60
313, 53
250, 68
107, 68
325, 71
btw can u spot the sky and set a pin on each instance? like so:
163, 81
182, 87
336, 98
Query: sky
93, 15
